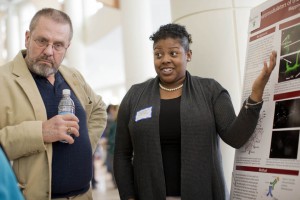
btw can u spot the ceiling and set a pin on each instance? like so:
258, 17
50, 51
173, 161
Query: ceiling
4, 4
111, 3
7, 2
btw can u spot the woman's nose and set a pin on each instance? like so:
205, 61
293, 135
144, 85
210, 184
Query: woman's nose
166, 59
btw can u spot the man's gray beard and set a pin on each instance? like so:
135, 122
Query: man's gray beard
42, 69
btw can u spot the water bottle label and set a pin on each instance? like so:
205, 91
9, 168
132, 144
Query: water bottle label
64, 112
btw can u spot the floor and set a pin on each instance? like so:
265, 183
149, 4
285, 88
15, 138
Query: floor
105, 189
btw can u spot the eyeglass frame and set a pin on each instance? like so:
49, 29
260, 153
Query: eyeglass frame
45, 44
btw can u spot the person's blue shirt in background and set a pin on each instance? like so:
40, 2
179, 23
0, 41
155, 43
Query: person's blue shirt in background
8, 183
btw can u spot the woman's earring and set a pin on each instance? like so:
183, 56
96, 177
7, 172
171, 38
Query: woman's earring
188, 59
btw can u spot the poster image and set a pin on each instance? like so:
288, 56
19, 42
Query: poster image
267, 166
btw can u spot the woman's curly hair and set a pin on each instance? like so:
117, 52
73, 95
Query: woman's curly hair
174, 31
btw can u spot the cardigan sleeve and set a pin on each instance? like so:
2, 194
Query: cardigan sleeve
234, 130
123, 153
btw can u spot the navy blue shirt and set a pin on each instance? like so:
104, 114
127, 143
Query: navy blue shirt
71, 163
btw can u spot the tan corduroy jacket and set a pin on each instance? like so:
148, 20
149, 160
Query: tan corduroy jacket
22, 113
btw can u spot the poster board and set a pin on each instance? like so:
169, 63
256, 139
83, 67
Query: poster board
267, 166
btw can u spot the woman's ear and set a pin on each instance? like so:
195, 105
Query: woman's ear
189, 55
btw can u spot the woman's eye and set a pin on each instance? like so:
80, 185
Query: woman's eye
173, 53
158, 55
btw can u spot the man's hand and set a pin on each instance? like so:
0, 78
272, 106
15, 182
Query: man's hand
56, 128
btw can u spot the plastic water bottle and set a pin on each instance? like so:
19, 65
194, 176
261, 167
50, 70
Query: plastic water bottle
66, 105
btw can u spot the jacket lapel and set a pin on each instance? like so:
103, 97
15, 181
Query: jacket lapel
27, 83
73, 81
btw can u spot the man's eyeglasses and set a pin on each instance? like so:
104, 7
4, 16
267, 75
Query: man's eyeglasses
44, 44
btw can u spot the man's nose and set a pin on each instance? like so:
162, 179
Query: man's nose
49, 49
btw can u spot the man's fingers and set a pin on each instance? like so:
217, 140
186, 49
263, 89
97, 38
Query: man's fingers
70, 117
67, 138
73, 130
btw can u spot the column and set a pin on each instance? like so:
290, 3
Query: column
219, 33
76, 52
2, 39
137, 28
12, 32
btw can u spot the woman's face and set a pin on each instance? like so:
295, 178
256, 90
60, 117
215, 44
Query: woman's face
170, 60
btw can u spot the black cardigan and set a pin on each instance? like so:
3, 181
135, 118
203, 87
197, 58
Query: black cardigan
206, 114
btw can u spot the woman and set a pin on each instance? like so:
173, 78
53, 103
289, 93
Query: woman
167, 142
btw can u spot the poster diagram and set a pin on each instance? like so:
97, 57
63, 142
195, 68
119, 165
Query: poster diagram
290, 40
254, 141
267, 166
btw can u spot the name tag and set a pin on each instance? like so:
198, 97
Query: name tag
143, 114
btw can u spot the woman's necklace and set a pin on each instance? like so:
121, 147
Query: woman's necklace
172, 89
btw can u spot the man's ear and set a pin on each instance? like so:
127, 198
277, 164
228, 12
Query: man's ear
27, 37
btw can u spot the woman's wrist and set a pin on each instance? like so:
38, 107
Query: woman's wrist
250, 102
255, 98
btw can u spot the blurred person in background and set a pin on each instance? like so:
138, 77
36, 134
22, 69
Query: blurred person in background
111, 142
102, 146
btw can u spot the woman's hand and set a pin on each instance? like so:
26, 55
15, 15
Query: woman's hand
261, 81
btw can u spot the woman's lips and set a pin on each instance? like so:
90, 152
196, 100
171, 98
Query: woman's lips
167, 71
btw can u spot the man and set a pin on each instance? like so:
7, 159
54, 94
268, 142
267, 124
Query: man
30, 130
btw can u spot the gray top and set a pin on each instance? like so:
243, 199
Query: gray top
206, 115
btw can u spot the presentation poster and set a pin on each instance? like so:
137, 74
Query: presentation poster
267, 166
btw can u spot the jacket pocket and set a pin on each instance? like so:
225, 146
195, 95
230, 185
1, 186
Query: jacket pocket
88, 110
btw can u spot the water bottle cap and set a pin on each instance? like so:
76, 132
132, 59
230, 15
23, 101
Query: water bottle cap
66, 92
